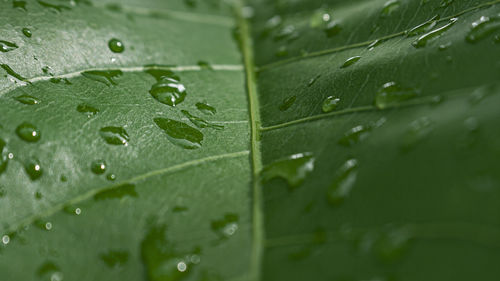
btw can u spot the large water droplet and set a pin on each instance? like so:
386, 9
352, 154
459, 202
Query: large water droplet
116, 46
392, 94
168, 91
103, 76
12, 73
350, 61
200, 123
424, 39
225, 227
114, 135
293, 169
28, 132
206, 108
98, 167
114, 258
342, 184
180, 133
117, 192
6, 46
423, 27
27, 99
287, 103
87, 109
34, 169
482, 28
330, 104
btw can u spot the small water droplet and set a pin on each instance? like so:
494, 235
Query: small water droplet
5, 239
168, 91
293, 169
27, 32
72, 210
389, 8
27, 99
343, 182
391, 94
471, 124
34, 169
287, 103
38, 195
423, 27
42, 224
225, 227
64, 178
199, 122
117, 192
103, 76
443, 47
424, 39
313, 80
4, 156
271, 24
204, 65
19, 4
116, 46
114, 135
115, 258
482, 28
320, 18
392, 244
282, 51
350, 61
6, 46
87, 109
49, 271
333, 28
28, 132
445, 3
355, 135
206, 108
179, 209
111, 177
180, 133
98, 167
374, 44
288, 33
58, 8
330, 104
419, 129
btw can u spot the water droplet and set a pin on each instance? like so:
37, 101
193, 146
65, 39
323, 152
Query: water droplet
38, 195
206, 108
332, 28
159, 72
282, 51
343, 182
64, 178
4, 156
58, 8
225, 227
162, 261
313, 80
445, 3
392, 244
111, 177
27, 32
5, 239
116, 46
287, 32
355, 135
423, 27
419, 129
12, 73
320, 18
168, 91
117, 192
34, 169
287, 103
28, 132
59, 80
19, 4
424, 39
179, 209
103, 76
471, 124
49, 271
42, 224
293, 169
482, 28
374, 44
114, 258
6, 46
72, 210
204, 65
390, 7
27, 99
114, 135
391, 94
443, 47
87, 109
200, 123
98, 167
271, 24
350, 61
2, 192
180, 133
330, 104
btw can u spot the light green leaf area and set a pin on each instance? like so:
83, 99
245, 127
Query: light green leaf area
268, 140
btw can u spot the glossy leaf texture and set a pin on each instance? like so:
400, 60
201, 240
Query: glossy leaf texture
266, 140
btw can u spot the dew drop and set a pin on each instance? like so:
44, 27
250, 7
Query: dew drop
5, 239
116, 46
320, 18
117, 192
471, 124
34, 169
313, 80
287, 103
423, 27
4, 156
87, 109
293, 169
48, 270
419, 129
180, 133
282, 51
103, 76
355, 135
168, 91
27, 32
19, 4
424, 39
27, 99
225, 227
288, 33
115, 258
12, 73
350, 61
205, 108
392, 244
389, 8
28, 132
444, 47
159, 72
445, 3
98, 167
199, 122
343, 182
114, 135
6, 46
58, 8
374, 44
204, 65
482, 28
330, 104
333, 28
72, 210
111, 177
391, 94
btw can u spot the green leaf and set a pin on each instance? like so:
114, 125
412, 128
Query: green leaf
332, 140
